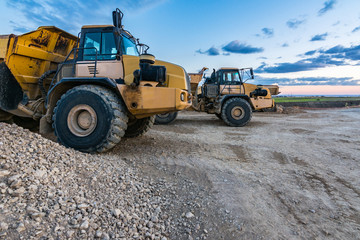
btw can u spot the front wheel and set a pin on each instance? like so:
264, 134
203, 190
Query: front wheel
165, 118
90, 119
236, 112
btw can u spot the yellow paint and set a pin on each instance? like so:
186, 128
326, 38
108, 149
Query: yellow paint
175, 75
4, 39
246, 89
231, 89
261, 102
146, 101
251, 87
29, 55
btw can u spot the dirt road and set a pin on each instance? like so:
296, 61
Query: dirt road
284, 176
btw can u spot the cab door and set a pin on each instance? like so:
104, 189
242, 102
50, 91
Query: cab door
102, 47
230, 83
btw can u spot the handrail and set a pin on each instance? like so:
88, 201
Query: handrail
75, 50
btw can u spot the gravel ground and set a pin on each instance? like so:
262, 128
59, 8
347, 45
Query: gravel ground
283, 176
50, 192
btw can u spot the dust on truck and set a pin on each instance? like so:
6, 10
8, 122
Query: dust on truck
92, 90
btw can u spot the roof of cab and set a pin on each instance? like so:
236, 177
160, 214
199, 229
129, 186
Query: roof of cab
228, 68
97, 26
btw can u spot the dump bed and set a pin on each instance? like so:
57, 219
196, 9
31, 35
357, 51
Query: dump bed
31, 54
274, 89
4, 39
195, 78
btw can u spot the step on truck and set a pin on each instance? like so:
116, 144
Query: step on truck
91, 90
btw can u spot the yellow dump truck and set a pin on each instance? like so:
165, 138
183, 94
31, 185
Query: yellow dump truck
92, 90
227, 95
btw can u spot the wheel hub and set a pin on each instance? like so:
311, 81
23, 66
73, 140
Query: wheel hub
237, 113
82, 120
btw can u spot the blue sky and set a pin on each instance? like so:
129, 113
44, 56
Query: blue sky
291, 43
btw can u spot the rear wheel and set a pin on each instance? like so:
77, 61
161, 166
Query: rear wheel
165, 118
89, 118
236, 112
138, 127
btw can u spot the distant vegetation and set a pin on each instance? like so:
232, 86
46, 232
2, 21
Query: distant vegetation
314, 99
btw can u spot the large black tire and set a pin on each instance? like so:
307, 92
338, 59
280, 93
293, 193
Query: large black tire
90, 118
138, 127
165, 118
11, 93
236, 112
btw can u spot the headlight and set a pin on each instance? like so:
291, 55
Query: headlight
182, 97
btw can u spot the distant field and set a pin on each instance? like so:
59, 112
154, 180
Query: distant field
314, 99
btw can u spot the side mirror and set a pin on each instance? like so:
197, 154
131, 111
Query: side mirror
117, 18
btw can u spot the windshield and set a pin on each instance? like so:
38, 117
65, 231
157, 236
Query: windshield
129, 47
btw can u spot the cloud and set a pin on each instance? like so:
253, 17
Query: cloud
328, 5
319, 37
294, 23
308, 81
302, 65
356, 29
232, 47
268, 32
310, 53
71, 15
210, 52
335, 56
19, 28
340, 52
241, 48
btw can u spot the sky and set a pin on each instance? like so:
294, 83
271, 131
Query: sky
304, 46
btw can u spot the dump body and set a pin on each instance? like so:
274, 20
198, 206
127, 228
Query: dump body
195, 78
4, 39
274, 89
30, 55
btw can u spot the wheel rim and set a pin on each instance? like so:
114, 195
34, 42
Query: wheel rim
237, 113
82, 120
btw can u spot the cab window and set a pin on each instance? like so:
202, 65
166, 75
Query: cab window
129, 47
231, 78
102, 44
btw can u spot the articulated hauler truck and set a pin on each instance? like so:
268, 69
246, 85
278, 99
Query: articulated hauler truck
91, 90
